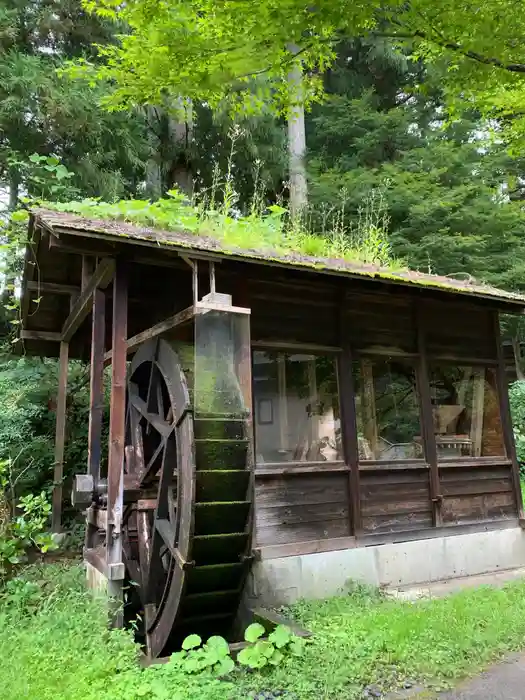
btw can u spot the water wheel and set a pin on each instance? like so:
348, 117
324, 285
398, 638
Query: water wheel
187, 504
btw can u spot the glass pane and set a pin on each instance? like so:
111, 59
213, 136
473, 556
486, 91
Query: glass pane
222, 368
387, 410
467, 421
296, 407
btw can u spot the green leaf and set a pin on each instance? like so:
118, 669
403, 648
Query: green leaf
225, 666
20, 215
218, 645
254, 632
265, 648
276, 658
248, 657
297, 646
191, 642
281, 636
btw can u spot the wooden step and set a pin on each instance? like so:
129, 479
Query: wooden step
209, 603
205, 626
219, 428
222, 485
219, 549
215, 577
221, 454
215, 518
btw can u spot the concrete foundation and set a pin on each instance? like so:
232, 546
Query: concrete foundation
96, 581
284, 580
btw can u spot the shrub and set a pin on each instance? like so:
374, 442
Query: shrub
517, 407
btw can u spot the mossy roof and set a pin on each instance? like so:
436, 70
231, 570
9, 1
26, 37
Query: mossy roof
186, 242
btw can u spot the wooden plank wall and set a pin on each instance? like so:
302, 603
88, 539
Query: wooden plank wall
298, 313
381, 320
395, 500
476, 493
459, 330
300, 508
293, 508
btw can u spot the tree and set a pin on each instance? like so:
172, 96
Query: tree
297, 138
217, 45
45, 112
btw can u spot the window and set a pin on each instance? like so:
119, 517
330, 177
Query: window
467, 421
296, 408
387, 410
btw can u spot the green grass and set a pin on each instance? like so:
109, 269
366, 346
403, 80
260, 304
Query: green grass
54, 645
266, 230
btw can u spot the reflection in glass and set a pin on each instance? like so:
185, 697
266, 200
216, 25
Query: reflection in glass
387, 410
466, 412
296, 407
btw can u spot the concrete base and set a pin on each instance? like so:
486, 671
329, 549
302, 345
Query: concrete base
96, 581
440, 589
284, 580
111, 591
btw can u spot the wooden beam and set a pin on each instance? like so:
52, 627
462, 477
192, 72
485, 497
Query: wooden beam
427, 417
52, 288
41, 335
88, 266
117, 428
506, 420
99, 279
84, 246
349, 442
293, 549
60, 437
157, 329
285, 469
30, 265
96, 386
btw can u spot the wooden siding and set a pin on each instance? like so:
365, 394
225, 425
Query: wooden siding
299, 508
380, 320
286, 311
393, 500
477, 493
459, 330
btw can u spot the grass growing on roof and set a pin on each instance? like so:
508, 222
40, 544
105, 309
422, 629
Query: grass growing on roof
55, 645
263, 230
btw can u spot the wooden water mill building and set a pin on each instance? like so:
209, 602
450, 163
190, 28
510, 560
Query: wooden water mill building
278, 424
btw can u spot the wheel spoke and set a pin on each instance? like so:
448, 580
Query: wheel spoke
153, 467
152, 419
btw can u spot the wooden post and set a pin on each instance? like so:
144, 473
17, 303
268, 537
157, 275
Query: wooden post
60, 438
96, 387
88, 265
506, 421
349, 425
283, 403
368, 398
115, 567
427, 418
478, 410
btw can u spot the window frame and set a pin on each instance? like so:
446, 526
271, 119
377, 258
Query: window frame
481, 363
412, 359
301, 466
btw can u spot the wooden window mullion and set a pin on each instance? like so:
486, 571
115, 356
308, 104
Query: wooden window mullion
427, 418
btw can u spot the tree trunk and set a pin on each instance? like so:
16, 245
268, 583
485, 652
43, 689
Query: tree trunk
153, 179
297, 140
182, 134
518, 358
14, 187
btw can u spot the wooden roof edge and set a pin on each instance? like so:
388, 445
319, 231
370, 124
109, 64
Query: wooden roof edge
187, 244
